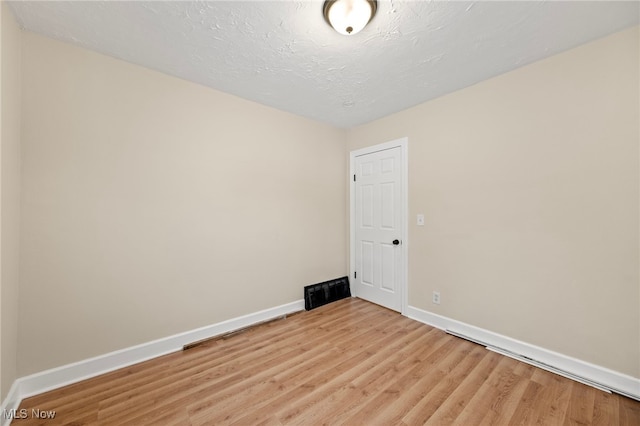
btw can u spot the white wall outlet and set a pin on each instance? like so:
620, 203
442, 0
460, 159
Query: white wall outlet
436, 297
420, 219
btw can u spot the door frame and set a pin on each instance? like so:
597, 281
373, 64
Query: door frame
403, 143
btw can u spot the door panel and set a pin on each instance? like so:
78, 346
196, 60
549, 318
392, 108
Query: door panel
387, 206
378, 189
367, 207
387, 263
367, 262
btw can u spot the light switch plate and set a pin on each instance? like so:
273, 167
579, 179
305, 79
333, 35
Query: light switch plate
420, 219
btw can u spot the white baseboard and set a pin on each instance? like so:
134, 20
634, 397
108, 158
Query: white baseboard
10, 404
613, 380
44, 381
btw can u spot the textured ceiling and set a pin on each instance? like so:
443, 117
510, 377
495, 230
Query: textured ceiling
283, 54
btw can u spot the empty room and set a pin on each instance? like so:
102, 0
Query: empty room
320, 212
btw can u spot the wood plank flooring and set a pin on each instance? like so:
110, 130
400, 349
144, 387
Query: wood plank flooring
350, 362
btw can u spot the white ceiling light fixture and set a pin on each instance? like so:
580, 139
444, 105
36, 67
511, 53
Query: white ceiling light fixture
349, 17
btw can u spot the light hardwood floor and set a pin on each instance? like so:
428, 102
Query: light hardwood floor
350, 362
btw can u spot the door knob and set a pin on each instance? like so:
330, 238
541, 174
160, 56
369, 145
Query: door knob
395, 242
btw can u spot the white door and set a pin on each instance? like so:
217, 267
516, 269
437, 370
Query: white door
378, 221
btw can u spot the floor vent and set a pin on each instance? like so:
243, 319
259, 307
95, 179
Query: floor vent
329, 291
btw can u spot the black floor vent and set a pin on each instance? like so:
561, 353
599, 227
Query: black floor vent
329, 291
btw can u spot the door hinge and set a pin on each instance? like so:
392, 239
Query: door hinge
355, 274
354, 178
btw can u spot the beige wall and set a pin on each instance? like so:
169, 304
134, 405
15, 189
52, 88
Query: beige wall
529, 183
153, 206
10, 196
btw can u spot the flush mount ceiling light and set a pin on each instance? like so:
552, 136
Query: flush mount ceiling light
349, 16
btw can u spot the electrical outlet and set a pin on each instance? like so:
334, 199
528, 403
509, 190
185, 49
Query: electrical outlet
436, 297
